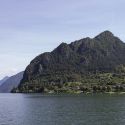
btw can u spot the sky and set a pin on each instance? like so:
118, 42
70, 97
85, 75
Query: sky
31, 27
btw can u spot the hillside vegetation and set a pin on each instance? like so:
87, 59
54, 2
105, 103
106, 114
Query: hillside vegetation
87, 65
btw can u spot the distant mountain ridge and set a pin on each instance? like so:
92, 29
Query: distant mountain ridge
11, 82
3, 80
69, 62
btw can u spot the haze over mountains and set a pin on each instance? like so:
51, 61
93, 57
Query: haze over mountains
69, 62
3, 80
8, 83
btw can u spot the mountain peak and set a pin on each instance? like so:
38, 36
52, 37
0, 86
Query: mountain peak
105, 34
62, 47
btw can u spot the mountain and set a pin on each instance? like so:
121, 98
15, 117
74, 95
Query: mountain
4, 79
11, 83
70, 62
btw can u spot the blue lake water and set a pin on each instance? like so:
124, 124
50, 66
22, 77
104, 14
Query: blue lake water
37, 109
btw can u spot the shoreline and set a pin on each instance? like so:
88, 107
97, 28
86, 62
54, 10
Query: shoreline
87, 93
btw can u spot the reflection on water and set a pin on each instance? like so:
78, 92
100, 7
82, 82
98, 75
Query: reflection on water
37, 109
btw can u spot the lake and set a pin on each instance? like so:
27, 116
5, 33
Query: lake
38, 109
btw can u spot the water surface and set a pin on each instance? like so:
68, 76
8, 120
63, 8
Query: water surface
37, 109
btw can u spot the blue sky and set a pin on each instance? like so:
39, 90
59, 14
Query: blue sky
30, 27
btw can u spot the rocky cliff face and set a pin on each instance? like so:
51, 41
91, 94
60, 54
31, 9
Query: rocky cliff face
68, 62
